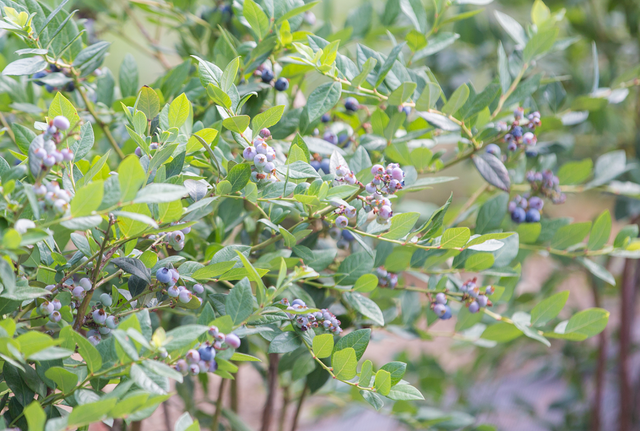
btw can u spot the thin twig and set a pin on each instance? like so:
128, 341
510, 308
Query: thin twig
272, 387
216, 415
294, 425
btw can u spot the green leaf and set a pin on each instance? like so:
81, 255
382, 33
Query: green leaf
148, 102
491, 213
492, 170
183, 336
239, 302
179, 111
285, 342
549, 308
396, 370
540, 43
239, 176
64, 379
528, 233
237, 124
61, 106
405, 393
157, 193
256, 18
415, 40
358, 340
402, 93
213, 270
219, 96
131, 177
466, 320
366, 283
512, 27
570, 235
600, 231
598, 270
128, 76
501, 332
401, 225
575, 172
268, 118
479, 262
353, 267
25, 66
455, 237
366, 373
365, 306
383, 382
87, 199
322, 100
229, 75
36, 417
457, 100
344, 364
90, 412
367, 67
89, 353
588, 322
323, 345
386, 68
376, 401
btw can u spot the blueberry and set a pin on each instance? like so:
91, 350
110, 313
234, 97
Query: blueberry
342, 221
351, 104
325, 165
111, 322
386, 212
447, 314
489, 290
493, 149
536, 203
61, 123
206, 353
99, 316
265, 133
184, 296
249, 153
377, 170
326, 118
106, 299
406, 110
163, 275
330, 137
57, 305
531, 153
516, 132
173, 291
518, 215
85, 283
49, 88
39, 75
533, 216
342, 244
213, 367
267, 76
347, 235
232, 340
54, 68
192, 356
182, 366
213, 331
439, 309
46, 307
474, 307
78, 292
282, 84
71, 86
198, 289
55, 317
315, 164
441, 298
482, 300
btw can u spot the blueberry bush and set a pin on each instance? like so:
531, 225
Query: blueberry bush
250, 205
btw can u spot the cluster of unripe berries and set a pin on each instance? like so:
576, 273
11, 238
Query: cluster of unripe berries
440, 307
51, 309
46, 145
281, 84
176, 238
202, 358
475, 300
344, 212
386, 278
385, 183
517, 136
323, 319
343, 237
53, 197
69, 86
546, 184
170, 277
341, 140
263, 157
104, 321
523, 209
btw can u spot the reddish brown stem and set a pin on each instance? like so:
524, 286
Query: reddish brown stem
272, 387
596, 414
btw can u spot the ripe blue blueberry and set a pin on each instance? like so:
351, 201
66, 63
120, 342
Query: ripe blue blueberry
260, 161
206, 353
493, 149
347, 235
474, 307
182, 366
533, 216
281, 84
516, 132
518, 215
536, 203
49, 88
512, 146
267, 76
351, 104
482, 301
325, 165
192, 356
530, 152
447, 314
315, 164
249, 153
330, 137
163, 275
173, 291
39, 75
194, 369
326, 118
213, 366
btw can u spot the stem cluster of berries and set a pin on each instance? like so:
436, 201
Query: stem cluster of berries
64, 77
546, 184
45, 146
473, 297
170, 277
202, 358
323, 319
440, 307
386, 182
343, 237
526, 209
344, 212
386, 278
263, 157
53, 197
266, 75
344, 175
517, 136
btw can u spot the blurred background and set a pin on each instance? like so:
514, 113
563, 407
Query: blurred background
593, 385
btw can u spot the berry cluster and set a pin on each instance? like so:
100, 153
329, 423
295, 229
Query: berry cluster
105, 321
324, 164
320, 319
344, 212
68, 86
341, 140
517, 136
51, 309
263, 157
45, 146
472, 296
343, 237
202, 359
281, 84
440, 307
547, 185
152, 147
170, 277
526, 209
54, 197
386, 278
385, 183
